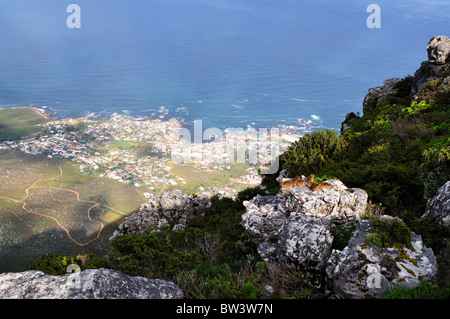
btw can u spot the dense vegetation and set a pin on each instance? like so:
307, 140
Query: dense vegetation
398, 151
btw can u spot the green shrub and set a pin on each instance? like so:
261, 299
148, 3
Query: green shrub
435, 169
341, 235
154, 255
387, 233
313, 153
404, 87
249, 193
433, 234
54, 264
424, 290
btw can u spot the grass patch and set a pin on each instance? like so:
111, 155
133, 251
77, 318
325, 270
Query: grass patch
18, 123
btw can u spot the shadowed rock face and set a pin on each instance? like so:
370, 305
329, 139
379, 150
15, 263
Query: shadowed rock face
439, 50
439, 205
88, 284
438, 65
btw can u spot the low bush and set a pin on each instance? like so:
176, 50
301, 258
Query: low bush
424, 290
387, 233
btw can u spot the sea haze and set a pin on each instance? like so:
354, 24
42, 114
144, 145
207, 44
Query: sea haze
230, 63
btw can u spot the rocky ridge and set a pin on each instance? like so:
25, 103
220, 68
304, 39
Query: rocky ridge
172, 209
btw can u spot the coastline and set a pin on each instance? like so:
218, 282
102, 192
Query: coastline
36, 110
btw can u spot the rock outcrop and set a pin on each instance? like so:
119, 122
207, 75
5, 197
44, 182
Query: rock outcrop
295, 226
338, 204
439, 49
379, 92
439, 205
172, 209
426, 73
364, 270
436, 68
296, 239
87, 284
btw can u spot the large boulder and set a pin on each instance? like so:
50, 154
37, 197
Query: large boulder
439, 205
439, 49
87, 284
295, 239
172, 209
365, 270
295, 225
338, 204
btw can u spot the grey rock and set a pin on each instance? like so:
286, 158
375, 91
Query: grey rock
436, 68
428, 72
295, 239
380, 91
439, 49
338, 203
439, 205
172, 209
282, 176
363, 270
295, 225
87, 284
305, 240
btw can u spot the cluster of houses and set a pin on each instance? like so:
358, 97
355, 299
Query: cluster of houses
75, 139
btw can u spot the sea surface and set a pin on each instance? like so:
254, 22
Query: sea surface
229, 63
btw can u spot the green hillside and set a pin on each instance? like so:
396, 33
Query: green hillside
19, 122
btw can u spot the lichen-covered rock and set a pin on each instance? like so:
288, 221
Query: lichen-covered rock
305, 240
295, 239
439, 205
295, 225
365, 270
87, 284
265, 215
338, 203
172, 209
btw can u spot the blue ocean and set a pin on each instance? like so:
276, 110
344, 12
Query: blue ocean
230, 63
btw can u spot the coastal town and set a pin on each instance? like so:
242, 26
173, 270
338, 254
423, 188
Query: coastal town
143, 152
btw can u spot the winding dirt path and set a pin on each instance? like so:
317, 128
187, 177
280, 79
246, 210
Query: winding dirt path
67, 231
